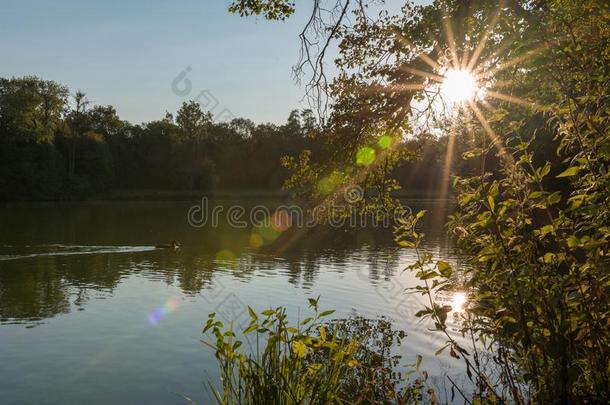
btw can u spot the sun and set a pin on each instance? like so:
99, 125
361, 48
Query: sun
459, 86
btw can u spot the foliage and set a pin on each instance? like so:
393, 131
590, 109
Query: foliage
533, 195
313, 362
536, 231
271, 9
56, 147
325, 184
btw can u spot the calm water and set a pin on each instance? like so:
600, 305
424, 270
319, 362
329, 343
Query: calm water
92, 312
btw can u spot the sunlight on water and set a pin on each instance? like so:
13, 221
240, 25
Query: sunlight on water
458, 301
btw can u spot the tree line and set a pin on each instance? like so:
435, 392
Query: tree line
55, 145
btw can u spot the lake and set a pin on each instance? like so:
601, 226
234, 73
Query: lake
92, 312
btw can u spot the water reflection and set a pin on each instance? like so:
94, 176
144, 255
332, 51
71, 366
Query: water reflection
39, 280
42, 286
127, 312
458, 301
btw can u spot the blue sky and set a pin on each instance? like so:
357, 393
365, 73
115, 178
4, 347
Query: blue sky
128, 53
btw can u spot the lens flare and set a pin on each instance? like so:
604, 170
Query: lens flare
280, 220
225, 255
158, 314
365, 156
268, 233
385, 142
329, 183
256, 241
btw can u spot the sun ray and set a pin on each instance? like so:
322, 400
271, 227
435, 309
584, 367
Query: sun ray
513, 99
487, 106
451, 41
497, 142
465, 54
448, 162
496, 53
409, 86
390, 88
421, 73
504, 83
422, 55
481, 45
512, 62
437, 220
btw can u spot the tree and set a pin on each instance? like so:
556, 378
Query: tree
30, 116
194, 125
538, 278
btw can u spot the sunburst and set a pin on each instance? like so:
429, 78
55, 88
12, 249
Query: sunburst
460, 86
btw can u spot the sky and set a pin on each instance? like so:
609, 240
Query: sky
146, 57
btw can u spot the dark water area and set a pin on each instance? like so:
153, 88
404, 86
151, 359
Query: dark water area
92, 312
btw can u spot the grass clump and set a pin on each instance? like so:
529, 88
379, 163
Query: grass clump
314, 362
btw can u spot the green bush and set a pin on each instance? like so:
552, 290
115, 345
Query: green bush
314, 362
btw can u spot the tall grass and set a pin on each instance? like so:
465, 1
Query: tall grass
313, 362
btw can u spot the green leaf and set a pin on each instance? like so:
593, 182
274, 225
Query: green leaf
426, 275
328, 312
444, 268
306, 320
406, 244
573, 241
492, 203
208, 325
554, 198
546, 230
549, 258
571, 171
439, 351
545, 170
423, 312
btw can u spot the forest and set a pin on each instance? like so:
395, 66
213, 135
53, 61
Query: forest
54, 145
